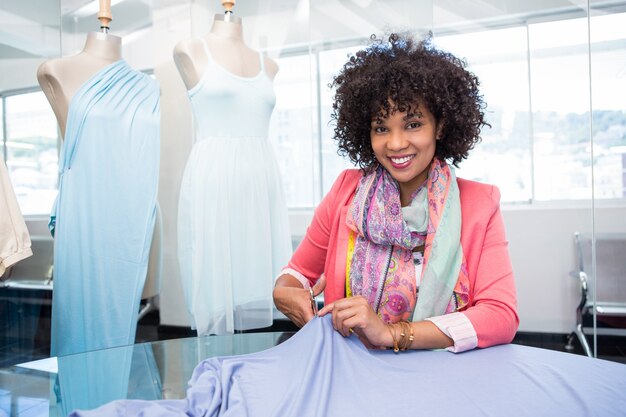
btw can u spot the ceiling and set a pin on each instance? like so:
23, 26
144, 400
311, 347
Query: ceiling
30, 28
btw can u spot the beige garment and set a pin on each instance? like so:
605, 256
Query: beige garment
14, 237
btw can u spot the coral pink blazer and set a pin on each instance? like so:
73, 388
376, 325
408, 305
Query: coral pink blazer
492, 307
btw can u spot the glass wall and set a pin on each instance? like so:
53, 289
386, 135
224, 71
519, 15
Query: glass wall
498, 57
31, 151
29, 34
607, 51
549, 72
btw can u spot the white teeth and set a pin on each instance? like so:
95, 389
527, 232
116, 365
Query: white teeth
402, 160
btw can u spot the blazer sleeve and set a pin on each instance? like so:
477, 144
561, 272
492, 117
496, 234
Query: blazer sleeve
310, 256
493, 311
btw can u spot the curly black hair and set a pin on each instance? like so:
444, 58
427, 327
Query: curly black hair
406, 73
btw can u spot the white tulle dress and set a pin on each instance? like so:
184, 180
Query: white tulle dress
233, 230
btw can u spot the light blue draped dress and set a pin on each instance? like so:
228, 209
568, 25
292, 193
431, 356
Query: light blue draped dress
104, 215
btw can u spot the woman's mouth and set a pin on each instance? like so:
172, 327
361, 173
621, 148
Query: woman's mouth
400, 162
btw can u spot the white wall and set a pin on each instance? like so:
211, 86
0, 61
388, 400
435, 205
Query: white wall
542, 252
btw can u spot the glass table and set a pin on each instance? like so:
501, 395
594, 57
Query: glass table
149, 371
320, 364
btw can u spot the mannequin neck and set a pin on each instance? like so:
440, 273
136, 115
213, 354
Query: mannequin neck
103, 46
227, 29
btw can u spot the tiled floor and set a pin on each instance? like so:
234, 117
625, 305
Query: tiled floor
25, 333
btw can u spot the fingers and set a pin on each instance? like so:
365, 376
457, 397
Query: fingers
340, 319
327, 308
349, 321
295, 303
319, 286
339, 304
354, 315
338, 315
348, 314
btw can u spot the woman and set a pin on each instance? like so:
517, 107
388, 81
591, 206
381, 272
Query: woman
408, 256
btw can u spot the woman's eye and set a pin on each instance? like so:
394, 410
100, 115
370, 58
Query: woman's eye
379, 129
413, 125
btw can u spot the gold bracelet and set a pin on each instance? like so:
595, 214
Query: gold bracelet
406, 342
407, 335
403, 335
409, 341
393, 337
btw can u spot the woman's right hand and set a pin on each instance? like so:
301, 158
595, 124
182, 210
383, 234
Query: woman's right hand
294, 301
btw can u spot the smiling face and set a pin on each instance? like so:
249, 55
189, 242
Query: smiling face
404, 144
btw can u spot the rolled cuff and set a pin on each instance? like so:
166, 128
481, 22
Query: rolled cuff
14, 258
297, 275
458, 328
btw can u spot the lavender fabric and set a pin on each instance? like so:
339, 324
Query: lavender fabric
317, 372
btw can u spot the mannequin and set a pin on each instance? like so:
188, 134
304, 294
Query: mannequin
231, 195
105, 211
61, 78
226, 44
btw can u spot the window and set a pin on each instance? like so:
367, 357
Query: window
559, 71
31, 151
498, 58
536, 83
330, 62
291, 131
537, 91
608, 82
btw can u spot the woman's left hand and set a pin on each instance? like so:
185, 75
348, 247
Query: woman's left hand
356, 314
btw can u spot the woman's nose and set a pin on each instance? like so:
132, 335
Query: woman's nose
396, 141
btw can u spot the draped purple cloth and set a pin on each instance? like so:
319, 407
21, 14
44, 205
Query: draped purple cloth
317, 372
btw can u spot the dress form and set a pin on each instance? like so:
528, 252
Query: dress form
109, 116
231, 167
60, 78
228, 49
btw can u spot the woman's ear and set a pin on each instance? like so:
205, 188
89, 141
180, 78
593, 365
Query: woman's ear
439, 131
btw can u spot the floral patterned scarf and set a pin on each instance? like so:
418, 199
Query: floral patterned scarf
379, 263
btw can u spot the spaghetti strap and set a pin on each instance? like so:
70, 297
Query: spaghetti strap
207, 51
210, 59
262, 62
